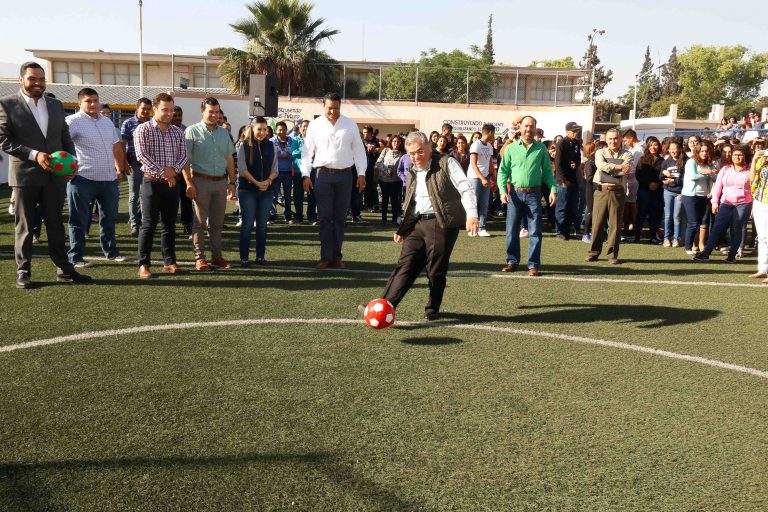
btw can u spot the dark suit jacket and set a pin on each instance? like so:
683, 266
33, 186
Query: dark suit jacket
20, 134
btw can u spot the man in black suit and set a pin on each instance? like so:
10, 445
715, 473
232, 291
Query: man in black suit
32, 127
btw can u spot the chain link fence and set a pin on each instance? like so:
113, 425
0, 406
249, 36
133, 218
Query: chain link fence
409, 82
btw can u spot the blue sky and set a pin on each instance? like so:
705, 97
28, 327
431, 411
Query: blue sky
523, 32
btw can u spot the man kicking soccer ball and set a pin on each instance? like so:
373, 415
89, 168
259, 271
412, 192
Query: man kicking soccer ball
439, 200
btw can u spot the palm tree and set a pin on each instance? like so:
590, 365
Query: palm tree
282, 39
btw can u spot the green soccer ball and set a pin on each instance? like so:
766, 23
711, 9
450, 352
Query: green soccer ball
62, 163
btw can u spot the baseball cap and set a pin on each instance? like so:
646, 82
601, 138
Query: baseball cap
539, 132
572, 127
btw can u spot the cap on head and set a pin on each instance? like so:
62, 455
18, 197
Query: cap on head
572, 127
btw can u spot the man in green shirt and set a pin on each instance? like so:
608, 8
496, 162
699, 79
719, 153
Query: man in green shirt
212, 176
525, 167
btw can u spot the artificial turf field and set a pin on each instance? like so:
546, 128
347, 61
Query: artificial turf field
506, 403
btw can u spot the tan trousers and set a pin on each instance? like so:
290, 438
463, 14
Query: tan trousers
210, 206
608, 205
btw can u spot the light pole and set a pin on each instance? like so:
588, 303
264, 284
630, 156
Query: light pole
595, 32
634, 103
141, 54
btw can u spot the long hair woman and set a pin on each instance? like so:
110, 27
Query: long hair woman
672, 171
650, 197
461, 152
731, 203
696, 187
758, 177
391, 185
257, 168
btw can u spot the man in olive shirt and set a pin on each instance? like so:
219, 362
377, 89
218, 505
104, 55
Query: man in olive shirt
210, 158
613, 163
525, 167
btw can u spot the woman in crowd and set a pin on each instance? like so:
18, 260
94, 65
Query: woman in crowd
433, 136
475, 136
696, 187
588, 170
650, 198
442, 144
391, 185
758, 177
461, 152
725, 155
257, 168
694, 142
671, 176
732, 203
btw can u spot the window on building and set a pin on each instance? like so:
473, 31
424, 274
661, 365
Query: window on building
74, 73
566, 89
198, 78
120, 74
542, 89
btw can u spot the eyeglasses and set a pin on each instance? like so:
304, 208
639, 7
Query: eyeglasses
420, 152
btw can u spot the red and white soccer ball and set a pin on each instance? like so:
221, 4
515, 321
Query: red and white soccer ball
379, 314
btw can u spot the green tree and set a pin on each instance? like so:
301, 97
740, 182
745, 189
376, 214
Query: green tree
670, 75
648, 87
283, 40
442, 77
488, 53
218, 52
590, 61
713, 74
564, 63
610, 111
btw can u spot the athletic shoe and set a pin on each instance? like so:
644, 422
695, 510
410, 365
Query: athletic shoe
667, 243
691, 252
676, 243
82, 264
144, 272
701, 257
119, 258
483, 233
470, 234
523, 232
239, 223
587, 238
202, 265
220, 262
739, 254
731, 258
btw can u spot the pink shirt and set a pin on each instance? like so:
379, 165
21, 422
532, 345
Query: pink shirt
732, 187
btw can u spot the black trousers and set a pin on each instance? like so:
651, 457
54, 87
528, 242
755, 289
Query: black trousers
187, 213
51, 199
427, 247
159, 202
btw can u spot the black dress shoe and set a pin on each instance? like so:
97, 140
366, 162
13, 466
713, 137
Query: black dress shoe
74, 277
23, 282
430, 316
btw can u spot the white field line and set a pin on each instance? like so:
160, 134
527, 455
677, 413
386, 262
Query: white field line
293, 321
484, 275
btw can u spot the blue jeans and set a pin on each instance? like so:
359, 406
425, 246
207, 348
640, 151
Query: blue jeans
81, 192
697, 213
284, 180
733, 216
673, 205
254, 206
483, 195
134, 195
566, 208
524, 205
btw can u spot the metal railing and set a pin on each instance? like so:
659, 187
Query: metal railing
414, 83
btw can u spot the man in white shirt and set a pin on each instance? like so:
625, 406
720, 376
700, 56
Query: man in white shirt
438, 201
480, 153
332, 146
100, 154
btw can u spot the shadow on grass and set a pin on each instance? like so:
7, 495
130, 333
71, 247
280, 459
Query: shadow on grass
432, 340
646, 317
24, 493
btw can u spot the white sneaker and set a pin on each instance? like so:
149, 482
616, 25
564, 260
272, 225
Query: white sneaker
12, 209
120, 258
471, 234
483, 233
676, 243
523, 232
667, 243
691, 252
83, 264
239, 223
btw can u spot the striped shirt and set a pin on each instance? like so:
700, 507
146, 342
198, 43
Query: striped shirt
126, 132
157, 150
94, 143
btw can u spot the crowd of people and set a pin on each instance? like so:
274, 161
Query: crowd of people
693, 193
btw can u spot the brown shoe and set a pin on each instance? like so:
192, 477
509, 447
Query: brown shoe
171, 269
614, 261
339, 264
509, 267
324, 264
201, 264
533, 272
590, 258
758, 275
220, 262
144, 272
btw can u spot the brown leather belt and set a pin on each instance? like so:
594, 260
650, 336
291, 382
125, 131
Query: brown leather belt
208, 177
609, 187
335, 171
523, 190
427, 216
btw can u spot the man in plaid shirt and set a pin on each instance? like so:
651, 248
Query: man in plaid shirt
162, 151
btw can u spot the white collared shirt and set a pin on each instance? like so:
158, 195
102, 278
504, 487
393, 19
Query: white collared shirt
94, 142
459, 180
337, 146
40, 113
